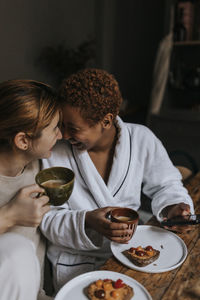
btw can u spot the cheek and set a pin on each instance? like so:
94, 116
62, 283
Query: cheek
78, 137
50, 138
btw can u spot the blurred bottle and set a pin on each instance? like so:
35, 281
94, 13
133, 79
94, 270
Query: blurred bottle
179, 28
177, 71
188, 17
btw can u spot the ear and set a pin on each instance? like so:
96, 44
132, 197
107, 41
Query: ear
21, 141
107, 121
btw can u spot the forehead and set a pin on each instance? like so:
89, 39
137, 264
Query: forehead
53, 123
72, 116
56, 118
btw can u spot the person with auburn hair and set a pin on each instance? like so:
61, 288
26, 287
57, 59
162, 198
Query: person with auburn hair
113, 162
29, 119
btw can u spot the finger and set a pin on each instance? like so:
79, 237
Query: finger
114, 225
34, 188
119, 226
43, 200
45, 209
120, 240
185, 208
106, 210
186, 212
119, 233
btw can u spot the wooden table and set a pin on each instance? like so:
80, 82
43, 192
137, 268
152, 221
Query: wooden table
182, 283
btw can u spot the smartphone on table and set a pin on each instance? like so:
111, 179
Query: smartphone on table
182, 220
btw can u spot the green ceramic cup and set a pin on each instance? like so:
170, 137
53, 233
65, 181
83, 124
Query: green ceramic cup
57, 182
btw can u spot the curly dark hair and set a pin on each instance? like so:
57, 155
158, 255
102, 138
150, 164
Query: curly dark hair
95, 92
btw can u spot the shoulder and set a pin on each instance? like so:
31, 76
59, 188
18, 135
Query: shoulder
140, 132
143, 140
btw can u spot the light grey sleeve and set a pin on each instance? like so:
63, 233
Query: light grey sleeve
162, 180
66, 228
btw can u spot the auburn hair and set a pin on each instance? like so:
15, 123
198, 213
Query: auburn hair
25, 106
94, 91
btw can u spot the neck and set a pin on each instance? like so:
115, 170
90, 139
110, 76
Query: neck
12, 164
108, 140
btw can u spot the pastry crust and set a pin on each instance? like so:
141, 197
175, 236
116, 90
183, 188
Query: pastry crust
109, 289
142, 257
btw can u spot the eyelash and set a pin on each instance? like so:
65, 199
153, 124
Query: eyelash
73, 130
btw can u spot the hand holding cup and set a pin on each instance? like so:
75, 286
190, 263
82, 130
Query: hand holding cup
127, 216
57, 182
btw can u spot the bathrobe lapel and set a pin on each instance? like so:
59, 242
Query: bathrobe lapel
102, 193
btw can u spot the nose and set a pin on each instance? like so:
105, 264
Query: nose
66, 134
59, 135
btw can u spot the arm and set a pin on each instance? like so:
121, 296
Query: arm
24, 209
5, 221
66, 228
162, 182
81, 230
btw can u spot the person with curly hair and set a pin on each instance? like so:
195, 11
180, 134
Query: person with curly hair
113, 162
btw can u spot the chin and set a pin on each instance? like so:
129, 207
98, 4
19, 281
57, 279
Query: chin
81, 148
46, 155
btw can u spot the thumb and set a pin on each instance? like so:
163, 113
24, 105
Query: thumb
185, 209
107, 211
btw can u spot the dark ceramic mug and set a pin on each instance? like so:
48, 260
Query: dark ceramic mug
127, 216
57, 182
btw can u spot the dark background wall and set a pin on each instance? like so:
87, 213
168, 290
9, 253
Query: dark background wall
131, 31
26, 26
127, 34
139, 27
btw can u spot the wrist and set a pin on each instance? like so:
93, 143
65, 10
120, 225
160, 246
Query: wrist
87, 223
166, 210
6, 218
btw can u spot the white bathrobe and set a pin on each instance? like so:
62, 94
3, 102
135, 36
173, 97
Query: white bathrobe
140, 163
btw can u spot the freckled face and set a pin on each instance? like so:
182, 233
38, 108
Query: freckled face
78, 131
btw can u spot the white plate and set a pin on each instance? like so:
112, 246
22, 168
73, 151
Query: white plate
74, 289
173, 250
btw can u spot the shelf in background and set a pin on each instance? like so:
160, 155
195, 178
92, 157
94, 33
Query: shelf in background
175, 114
187, 43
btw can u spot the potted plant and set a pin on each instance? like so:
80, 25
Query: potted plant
60, 61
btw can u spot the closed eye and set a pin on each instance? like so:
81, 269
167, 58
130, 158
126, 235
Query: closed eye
57, 126
72, 130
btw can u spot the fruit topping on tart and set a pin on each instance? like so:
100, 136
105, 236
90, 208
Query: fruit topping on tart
142, 256
109, 289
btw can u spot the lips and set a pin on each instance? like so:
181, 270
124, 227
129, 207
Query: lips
73, 142
77, 144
